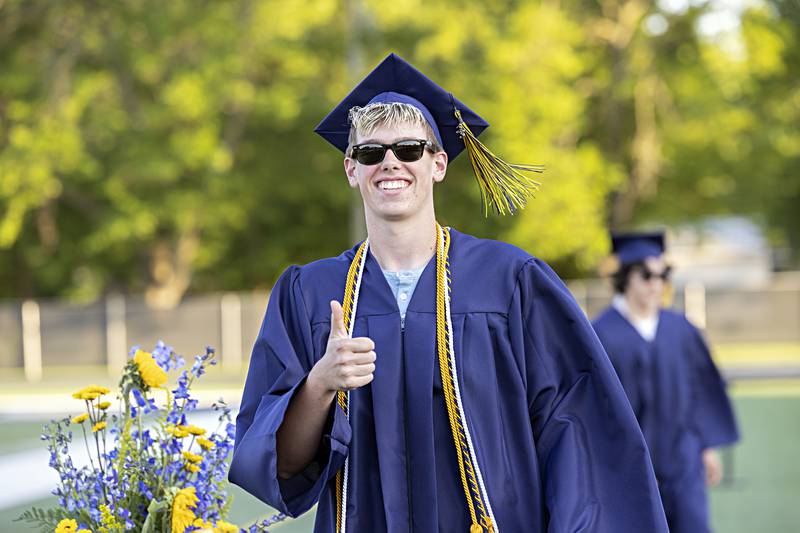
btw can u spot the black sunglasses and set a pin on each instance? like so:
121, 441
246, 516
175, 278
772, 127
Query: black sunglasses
406, 151
648, 274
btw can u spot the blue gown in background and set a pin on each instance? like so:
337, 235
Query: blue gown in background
679, 398
557, 442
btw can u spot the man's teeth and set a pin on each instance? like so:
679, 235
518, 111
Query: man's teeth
393, 184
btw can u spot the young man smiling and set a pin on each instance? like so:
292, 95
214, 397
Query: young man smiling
427, 380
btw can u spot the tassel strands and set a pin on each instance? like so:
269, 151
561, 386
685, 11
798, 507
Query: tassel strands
503, 185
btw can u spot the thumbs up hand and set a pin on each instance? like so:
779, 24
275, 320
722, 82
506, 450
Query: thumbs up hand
338, 331
347, 363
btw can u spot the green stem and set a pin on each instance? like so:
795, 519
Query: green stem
124, 441
163, 478
99, 459
86, 442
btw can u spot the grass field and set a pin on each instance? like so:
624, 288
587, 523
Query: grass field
763, 492
761, 495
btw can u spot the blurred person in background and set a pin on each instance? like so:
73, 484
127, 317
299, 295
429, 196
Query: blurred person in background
667, 372
458, 387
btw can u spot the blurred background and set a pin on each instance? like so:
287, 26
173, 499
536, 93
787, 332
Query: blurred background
158, 171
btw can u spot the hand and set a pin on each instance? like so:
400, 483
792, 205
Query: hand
713, 467
347, 363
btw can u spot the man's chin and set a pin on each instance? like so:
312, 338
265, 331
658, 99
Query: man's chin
393, 212
396, 216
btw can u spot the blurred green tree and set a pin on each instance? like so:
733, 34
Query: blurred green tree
731, 136
154, 147
162, 148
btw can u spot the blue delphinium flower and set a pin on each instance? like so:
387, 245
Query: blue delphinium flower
166, 357
137, 459
182, 390
148, 405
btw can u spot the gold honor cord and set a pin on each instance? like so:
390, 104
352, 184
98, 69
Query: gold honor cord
349, 304
474, 491
503, 185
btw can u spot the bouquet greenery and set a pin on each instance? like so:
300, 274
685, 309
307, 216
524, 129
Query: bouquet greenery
149, 469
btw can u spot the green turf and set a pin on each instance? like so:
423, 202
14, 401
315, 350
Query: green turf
20, 435
763, 493
8, 516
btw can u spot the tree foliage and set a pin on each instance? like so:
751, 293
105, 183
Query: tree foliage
167, 147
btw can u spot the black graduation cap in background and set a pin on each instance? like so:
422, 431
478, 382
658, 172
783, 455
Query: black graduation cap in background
634, 247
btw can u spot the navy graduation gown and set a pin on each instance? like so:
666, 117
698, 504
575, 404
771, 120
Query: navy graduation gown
556, 439
679, 398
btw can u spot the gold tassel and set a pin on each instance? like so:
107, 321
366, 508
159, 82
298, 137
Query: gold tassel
503, 186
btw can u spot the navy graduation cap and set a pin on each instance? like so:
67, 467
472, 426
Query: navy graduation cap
455, 126
395, 80
634, 247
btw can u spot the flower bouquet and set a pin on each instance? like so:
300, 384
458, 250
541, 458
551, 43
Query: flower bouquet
149, 469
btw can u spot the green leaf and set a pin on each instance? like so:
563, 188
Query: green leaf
155, 515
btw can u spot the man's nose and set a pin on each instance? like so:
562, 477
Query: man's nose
390, 161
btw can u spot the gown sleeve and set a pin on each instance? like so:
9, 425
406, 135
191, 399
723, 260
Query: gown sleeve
596, 471
713, 420
281, 359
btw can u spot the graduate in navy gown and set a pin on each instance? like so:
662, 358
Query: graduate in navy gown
427, 380
674, 388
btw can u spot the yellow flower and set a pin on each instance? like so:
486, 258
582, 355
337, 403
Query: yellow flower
152, 374
97, 427
225, 527
68, 525
202, 524
177, 431
192, 467
194, 430
90, 393
182, 514
205, 443
104, 405
192, 457
109, 521
80, 418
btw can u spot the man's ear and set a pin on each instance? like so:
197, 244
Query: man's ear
439, 166
350, 171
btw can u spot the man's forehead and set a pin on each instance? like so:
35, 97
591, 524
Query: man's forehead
387, 133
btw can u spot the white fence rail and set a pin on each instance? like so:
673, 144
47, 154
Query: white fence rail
35, 335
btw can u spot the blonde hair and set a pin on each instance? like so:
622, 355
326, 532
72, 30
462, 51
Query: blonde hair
365, 120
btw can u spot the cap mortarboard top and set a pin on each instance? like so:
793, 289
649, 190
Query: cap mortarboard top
633, 247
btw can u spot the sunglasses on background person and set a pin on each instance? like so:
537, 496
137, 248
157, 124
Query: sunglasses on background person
408, 151
648, 274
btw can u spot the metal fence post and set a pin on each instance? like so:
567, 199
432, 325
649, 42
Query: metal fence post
31, 341
116, 334
231, 325
694, 303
